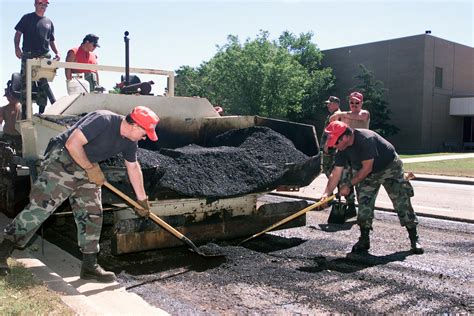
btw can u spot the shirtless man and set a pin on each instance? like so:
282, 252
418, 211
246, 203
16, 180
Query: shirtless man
9, 114
356, 117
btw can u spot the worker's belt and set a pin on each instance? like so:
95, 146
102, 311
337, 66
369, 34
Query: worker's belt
28, 55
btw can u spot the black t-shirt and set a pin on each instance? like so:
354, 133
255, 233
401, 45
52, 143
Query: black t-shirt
37, 32
367, 145
102, 130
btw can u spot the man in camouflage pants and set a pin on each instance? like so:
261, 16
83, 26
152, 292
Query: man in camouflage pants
376, 163
37, 31
71, 171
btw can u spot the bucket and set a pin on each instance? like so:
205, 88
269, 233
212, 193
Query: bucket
77, 85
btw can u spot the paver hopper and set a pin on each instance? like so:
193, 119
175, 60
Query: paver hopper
183, 121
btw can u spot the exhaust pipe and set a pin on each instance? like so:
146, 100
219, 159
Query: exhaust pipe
127, 59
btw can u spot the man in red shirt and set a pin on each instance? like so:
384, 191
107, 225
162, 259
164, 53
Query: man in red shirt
84, 54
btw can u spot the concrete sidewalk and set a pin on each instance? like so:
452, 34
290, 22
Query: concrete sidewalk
60, 272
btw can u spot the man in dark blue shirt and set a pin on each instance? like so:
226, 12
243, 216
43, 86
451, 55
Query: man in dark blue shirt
38, 35
71, 171
376, 163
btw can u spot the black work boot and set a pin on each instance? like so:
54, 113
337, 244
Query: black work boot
363, 245
91, 270
415, 241
6, 248
351, 210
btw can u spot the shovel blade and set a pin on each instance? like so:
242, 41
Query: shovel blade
338, 213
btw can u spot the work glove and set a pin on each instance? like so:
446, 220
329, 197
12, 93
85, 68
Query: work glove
145, 210
95, 174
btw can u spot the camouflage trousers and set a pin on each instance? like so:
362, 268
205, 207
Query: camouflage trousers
41, 97
398, 188
328, 162
60, 179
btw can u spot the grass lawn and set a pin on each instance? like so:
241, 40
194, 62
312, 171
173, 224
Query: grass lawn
22, 294
453, 167
428, 155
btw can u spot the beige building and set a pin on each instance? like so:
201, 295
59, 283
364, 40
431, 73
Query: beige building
430, 84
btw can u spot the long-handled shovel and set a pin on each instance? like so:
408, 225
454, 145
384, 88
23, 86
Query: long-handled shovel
291, 217
162, 223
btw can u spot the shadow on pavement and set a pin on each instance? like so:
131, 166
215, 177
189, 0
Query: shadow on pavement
269, 243
332, 228
353, 262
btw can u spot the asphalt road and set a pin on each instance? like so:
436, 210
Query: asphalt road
309, 270
434, 198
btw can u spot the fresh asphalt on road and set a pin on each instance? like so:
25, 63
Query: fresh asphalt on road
59, 270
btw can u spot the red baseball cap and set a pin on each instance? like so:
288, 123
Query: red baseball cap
357, 96
147, 119
334, 130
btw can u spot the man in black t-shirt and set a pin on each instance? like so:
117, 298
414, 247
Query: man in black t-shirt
38, 35
376, 163
71, 171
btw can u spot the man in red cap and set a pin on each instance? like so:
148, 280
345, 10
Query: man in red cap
356, 117
376, 163
71, 171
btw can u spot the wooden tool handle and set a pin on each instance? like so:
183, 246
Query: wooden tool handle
135, 204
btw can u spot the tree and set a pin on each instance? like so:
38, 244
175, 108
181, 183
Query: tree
280, 79
374, 101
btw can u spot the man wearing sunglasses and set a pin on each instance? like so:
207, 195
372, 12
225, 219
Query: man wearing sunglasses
84, 54
38, 36
375, 163
356, 117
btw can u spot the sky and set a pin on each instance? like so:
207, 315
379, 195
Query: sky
169, 34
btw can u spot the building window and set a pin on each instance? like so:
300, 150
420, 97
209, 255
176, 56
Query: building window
438, 77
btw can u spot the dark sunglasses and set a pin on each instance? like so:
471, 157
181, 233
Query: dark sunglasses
338, 140
356, 103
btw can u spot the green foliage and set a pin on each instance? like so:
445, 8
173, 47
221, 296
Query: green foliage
280, 79
374, 101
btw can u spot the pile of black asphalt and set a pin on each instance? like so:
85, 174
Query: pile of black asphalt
238, 162
234, 163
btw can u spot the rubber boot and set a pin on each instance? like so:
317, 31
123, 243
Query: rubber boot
6, 249
363, 245
415, 241
91, 270
351, 211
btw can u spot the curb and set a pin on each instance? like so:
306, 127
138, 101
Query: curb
69, 295
429, 215
441, 179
